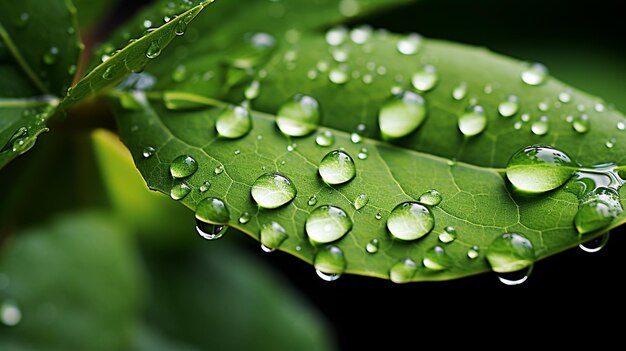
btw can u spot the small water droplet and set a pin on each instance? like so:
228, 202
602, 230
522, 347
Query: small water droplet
534, 74
473, 121
372, 246
355, 138
253, 90
233, 122
565, 97
205, 187
245, 218
509, 107
109, 72
272, 190
401, 114
154, 50
541, 126
181, 28
51, 56
581, 123
410, 44
325, 138
312, 201
378, 216
237, 152
425, 79
610, 143
10, 313
431, 198
179, 191
621, 125
525, 117
599, 107
473, 252
448, 235
329, 262
363, 154
336, 36
219, 170
312, 74
595, 244
337, 167
403, 271
537, 169
410, 221
488, 89
361, 34
299, 116
360, 201
510, 252
436, 259
339, 75
460, 91
327, 223
543, 106
148, 152
183, 166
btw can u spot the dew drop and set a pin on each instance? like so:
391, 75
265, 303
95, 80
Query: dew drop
510, 252
253, 90
403, 271
431, 198
595, 244
543, 106
205, 187
325, 138
581, 123
337, 167
426, 79
509, 107
272, 236
363, 154
360, 201
22, 20
448, 235
272, 190
515, 278
312, 201
599, 107
245, 218
537, 169
51, 56
540, 127
183, 166
233, 122
154, 50
534, 74
148, 152
10, 313
327, 223
410, 44
299, 116
410, 221
372, 246
460, 91
329, 262
212, 215
473, 252
401, 114
179, 191
219, 170
355, 138
473, 121
378, 216
436, 259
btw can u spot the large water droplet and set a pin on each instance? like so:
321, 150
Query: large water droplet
448, 235
10, 313
213, 211
360, 201
327, 223
410, 221
401, 114
154, 50
272, 190
436, 259
299, 116
431, 198
337, 167
183, 166
234, 122
473, 121
410, 44
179, 191
272, 236
581, 123
597, 210
534, 74
372, 246
595, 244
329, 262
425, 79
537, 169
509, 107
325, 138
510, 252
403, 271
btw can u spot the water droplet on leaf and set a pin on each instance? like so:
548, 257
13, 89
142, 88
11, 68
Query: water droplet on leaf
425, 79
431, 198
183, 166
448, 235
360, 201
473, 121
537, 169
410, 221
179, 191
401, 114
337, 167
245, 218
299, 116
410, 44
329, 262
234, 122
509, 107
154, 50
325, 138
403, 271
510, 252
327, 223
460, 91
272, 190
372, 246
534, 74
272, 236
436, 259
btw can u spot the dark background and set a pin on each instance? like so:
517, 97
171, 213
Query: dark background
568, 296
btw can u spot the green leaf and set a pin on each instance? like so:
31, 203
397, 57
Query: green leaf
76, 284
133, 57
39, 51
468, 171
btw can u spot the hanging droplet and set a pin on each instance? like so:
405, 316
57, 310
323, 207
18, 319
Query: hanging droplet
272, 236
403, 271
473, 252
325, 138
329, 263
473, 121
401, 114
509, 107
372, 246
436, 259
410, 221
337, 167
581, 123
537, 169
595, 244
211, 211
431, 198
597, 210
410, 44
515, 278
179, 191
183, 166
460, 91
181, 28
299, 116
327, 223
360, 201
272, 190
510, 252
426, 79
253, 90
234, 122
448, 235
210, 231
154, 50
534, 74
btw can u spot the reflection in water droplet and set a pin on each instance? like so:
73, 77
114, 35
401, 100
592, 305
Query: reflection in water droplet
510, 252
597, 209
329, 263
537, 169
436, 259
426, 79
534, 74
410, 221
299, 116
448, 235
473, 252
179, 191
509, 107
337, 167
430, 197
148, 152
372, 246
401, 114
327, 223
515, 278
154, 50
210, 231
403, 271
581, 123
595, 244
205, 187
233, 122
272, 236
360, 201
363, 154
245, 218
272, 190
183, 166
473, 121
